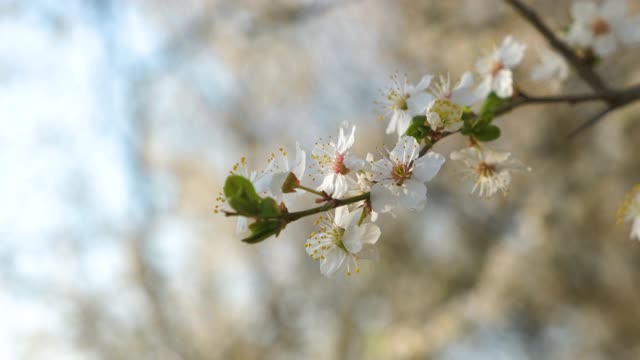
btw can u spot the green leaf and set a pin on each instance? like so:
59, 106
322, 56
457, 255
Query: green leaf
269, 208
241, 195
488, 110
417, 128
263, 229
488, 133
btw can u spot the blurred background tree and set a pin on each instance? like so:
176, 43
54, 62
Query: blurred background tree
122, 118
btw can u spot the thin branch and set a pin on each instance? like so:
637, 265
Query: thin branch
332, 204
584, 70
592, 121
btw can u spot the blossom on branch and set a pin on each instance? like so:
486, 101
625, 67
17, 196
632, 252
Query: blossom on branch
334, 162
400, 101
602, 28
496, 68
552, 67
444, 113
342, 241
488, 169
399, 179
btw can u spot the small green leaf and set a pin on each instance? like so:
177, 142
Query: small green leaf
488, 110
488, 133
262, 230
241, 195
269, 208
417, 128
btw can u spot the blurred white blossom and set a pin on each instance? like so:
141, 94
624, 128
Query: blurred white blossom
489, 170
603, 27
496, 68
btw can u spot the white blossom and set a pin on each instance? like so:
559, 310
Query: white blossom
342, 241
399, 179
496, 68
552, 66
602, 28
334, 162
400, 100
444, 113
630, 211
488, 169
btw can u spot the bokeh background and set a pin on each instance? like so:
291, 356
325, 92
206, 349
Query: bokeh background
120, 120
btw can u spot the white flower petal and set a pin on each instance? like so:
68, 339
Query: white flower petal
413, 195
370, 233
327, 184
406, 150
484, 65
464, 97
580, 35
427, 167
382, 198
605, 45
341, 216
340, 186
424, 84
483, 90
393, 123
333, 260
352, 239
503, 83
301, 162
511, 52
434, 120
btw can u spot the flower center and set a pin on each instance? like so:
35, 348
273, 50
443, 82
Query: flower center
337, 234
485, 170
338, 165
399, 101
495, 67
600, 27
400, 173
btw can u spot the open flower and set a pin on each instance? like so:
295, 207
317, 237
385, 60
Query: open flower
552, 67
342, 241
496, 68
400, 101
630, 211
489, 170
280, 168
399, 179
601, 28
444, 113
334, 162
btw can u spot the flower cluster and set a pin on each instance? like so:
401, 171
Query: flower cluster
351, 191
